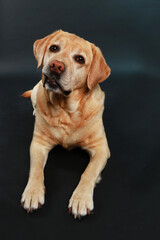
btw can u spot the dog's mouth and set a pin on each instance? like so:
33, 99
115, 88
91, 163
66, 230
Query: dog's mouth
54, 85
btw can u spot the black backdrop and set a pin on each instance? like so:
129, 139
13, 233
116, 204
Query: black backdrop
127, 200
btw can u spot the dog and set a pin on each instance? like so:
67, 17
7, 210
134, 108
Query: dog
68, 105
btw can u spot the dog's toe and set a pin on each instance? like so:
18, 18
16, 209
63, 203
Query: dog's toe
32, 198
80, 205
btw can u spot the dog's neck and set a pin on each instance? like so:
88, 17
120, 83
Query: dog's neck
69, 103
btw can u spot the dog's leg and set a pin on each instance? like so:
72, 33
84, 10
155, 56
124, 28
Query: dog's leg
81, 202
33, 195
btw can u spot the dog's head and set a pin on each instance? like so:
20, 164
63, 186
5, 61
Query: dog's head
69, 62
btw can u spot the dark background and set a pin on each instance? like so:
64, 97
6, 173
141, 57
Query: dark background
127, 200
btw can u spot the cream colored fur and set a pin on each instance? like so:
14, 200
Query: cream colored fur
75, 120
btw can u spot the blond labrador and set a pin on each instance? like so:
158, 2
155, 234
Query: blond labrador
68, 106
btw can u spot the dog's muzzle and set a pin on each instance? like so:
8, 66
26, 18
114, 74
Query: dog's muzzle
52, 78
53, 84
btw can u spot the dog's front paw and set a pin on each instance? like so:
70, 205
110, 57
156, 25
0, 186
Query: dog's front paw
81, 203
33, 197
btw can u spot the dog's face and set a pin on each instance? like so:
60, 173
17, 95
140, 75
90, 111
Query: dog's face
69, 62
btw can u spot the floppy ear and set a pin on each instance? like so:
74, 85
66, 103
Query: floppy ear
99, 70
40, 46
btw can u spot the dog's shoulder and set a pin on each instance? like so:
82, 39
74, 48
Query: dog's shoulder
98, 94
34, 96
96, 101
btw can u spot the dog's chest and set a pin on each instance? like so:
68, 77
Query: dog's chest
66, 121
63, 126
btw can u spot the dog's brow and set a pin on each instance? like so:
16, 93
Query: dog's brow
57, 42
79, 52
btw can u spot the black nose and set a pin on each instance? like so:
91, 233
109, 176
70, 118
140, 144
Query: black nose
67, 92
57, 67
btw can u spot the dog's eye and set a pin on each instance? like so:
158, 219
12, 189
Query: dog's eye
79, 59
54, 48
